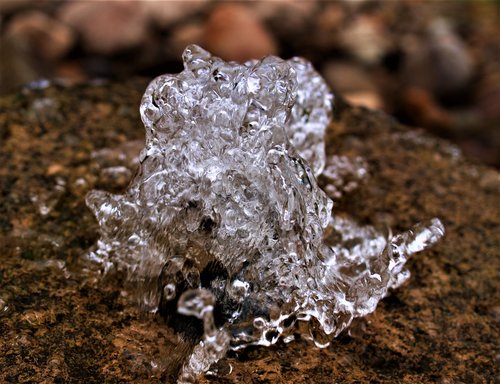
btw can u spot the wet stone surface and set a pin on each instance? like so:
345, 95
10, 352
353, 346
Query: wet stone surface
58, 325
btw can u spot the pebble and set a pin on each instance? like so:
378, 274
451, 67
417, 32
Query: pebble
47, 37
346, 76
286, 16
368, 99
437, 61
107, 27
7, 6
329, 25
165, 13
488, 95
16, 68
424, 110
181, 37
234, 32
366, 39
452, 63
353, 83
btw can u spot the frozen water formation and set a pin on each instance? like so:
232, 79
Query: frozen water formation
224, 230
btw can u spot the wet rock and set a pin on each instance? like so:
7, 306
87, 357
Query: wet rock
106, 27
47, 37
440, 327
234, 32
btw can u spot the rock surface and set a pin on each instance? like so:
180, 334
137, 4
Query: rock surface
58, 325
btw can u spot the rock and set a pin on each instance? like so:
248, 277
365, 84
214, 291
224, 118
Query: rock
424, 110
8, 6
346, 76
438, 61
106, 27
165, 13
353, 83
17, 67
286, 16
366, 39
488, 95
234, 32
329, 25
47, 37
182, 36
451, 62
367, 99
440, 327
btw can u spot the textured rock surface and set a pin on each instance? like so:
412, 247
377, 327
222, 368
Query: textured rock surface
56, 326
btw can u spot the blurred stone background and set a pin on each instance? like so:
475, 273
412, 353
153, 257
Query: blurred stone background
432, 64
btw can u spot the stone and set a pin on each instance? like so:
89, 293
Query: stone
47, 37
166, 13
367, 99
452, 63
106, 27
366, 39
438, 61
16, 67
234, 32
182, 36
353, 83
439, 327
424, 109
8, 6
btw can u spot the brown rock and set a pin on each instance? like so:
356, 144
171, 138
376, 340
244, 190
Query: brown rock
47, 37
7, 6
353, 83
423, 109
438, 61
16, 67
165, 13
346, 76
329, 25
234, 32
450, 59
366, 39
287, 16
368, 99
107, 26
190, 33
440, 327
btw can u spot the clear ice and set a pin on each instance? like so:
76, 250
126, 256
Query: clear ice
224, 226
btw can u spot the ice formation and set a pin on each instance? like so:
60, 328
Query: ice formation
224, 226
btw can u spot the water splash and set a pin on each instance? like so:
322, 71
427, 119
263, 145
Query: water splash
224, 230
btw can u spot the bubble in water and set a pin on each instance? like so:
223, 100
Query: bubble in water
224, 221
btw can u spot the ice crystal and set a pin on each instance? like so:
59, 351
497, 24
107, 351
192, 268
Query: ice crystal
224, 226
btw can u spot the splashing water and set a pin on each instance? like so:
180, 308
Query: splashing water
224, 230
